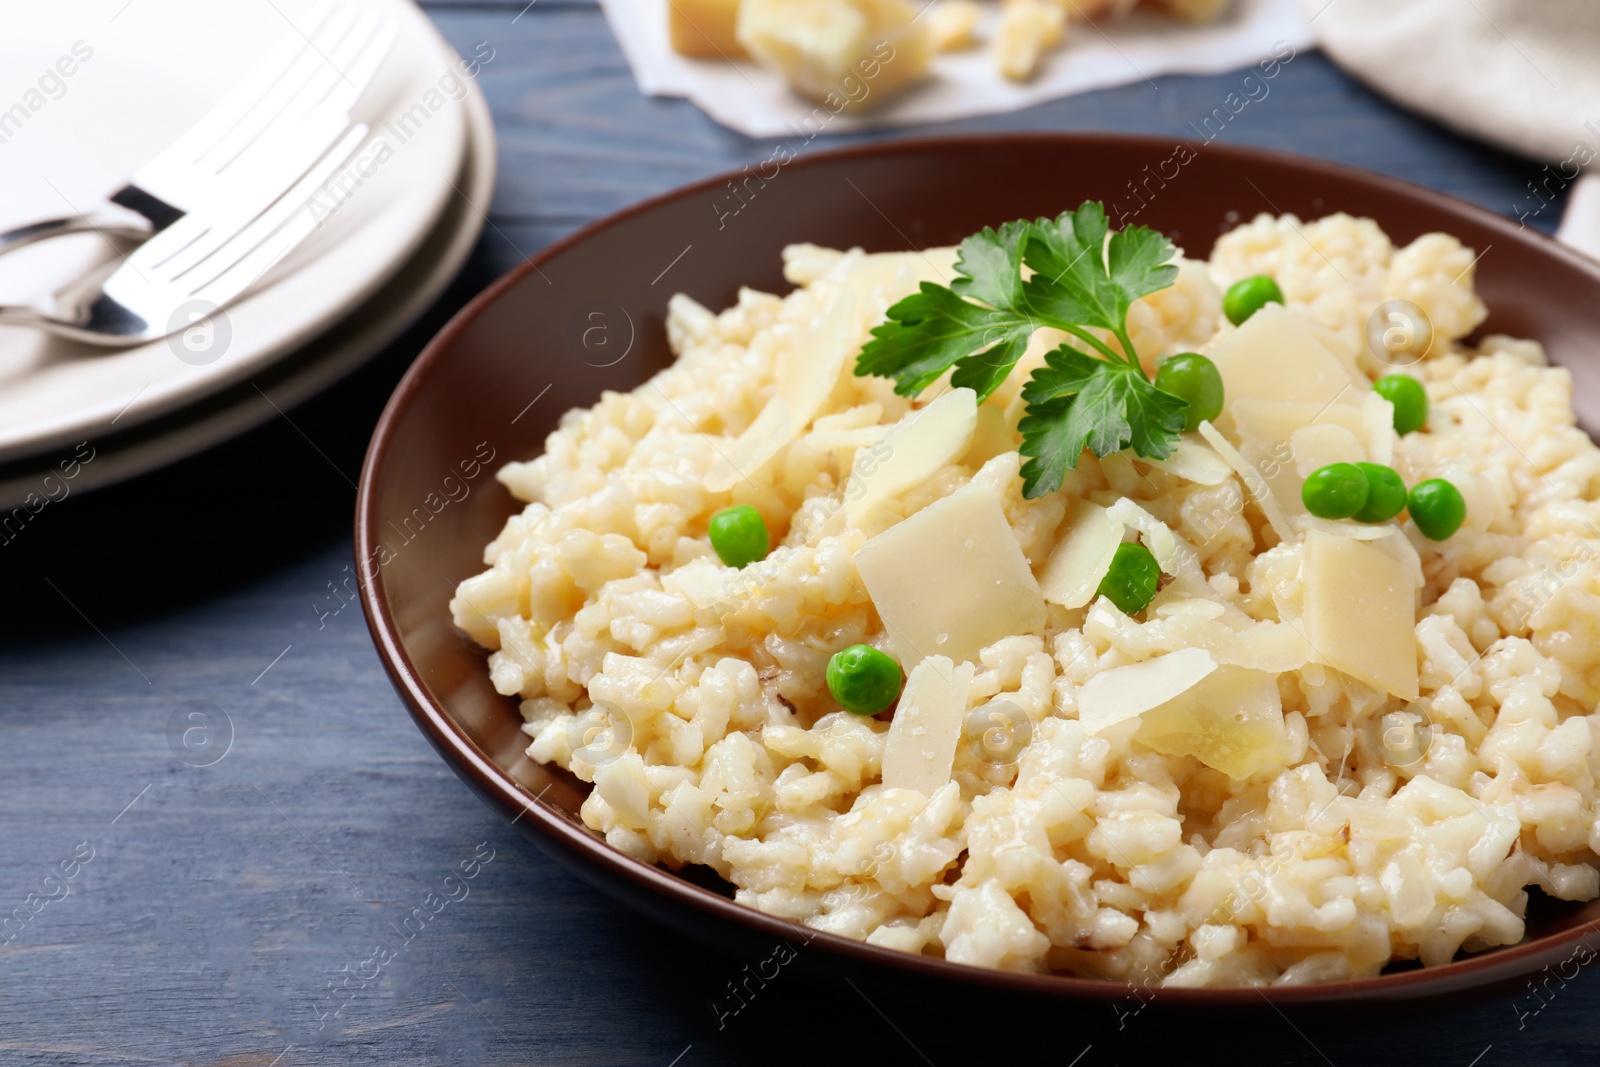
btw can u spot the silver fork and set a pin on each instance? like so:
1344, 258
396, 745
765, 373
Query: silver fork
191, 270
249, 171
253, 145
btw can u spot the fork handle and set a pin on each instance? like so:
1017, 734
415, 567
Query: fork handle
111, 222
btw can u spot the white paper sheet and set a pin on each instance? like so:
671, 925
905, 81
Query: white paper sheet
756, 101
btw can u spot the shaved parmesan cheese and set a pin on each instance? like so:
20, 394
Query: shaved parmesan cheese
1087, 542
1173, 554
994, 435
1193, 461
1322, 443
1361, 612
1357, 531
1344, 344
916, 447
1400, 549
1266, 430
1232, 722
951, 579
921, 746
1275, 647
806, 375
1275, 420
1252, 479
1124, 693
1378, 416
885, 277
1276, 355
846, 440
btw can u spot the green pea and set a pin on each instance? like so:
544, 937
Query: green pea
1194, 379
1409, 398
1336, 491
1249, 295
1131, 582
1437, 508
863, 680
1386, 493
739, 536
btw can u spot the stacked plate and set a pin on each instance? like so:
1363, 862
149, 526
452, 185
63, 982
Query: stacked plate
395, 228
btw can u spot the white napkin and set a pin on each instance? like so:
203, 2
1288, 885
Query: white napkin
1521, 74
756, 101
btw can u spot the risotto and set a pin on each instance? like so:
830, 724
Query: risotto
1311, 747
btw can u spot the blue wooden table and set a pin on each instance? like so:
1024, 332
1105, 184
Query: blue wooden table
214, 812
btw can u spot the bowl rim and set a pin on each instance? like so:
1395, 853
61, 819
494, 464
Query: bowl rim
499, 790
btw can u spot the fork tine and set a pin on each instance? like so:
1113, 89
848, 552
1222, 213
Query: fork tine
282, 160
281, 156
232, 108
309, 62
333, 73
240, 262
363, 67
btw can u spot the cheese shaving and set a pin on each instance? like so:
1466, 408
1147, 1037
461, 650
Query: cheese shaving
1194, 461
921, 747
1122, 693
805, 378
917, 445
1252, 480
1088, 541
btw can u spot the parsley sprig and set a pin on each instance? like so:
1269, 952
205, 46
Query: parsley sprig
981, 324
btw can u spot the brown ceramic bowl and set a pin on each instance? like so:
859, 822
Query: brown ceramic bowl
587, 314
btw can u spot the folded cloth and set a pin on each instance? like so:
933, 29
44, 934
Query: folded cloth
1520, 74
756, 101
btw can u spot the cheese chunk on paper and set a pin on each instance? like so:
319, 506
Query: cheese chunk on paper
921, 747
951, 579
1361, 612
1276, 355
704, 29
828, 50
1124, 693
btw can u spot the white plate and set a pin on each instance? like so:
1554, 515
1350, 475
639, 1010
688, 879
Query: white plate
156, 67
296, 376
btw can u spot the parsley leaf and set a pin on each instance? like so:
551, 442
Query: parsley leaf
1077, 401
936, 328
1085, 277
932, 330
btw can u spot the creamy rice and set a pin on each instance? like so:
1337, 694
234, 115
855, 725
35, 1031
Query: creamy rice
692, 694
